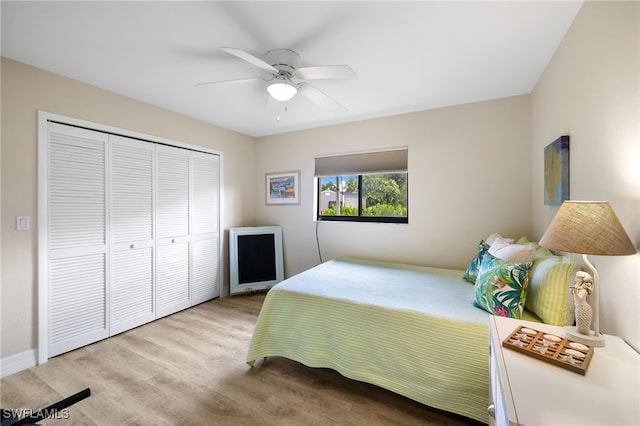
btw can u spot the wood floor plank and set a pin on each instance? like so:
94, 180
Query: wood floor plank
189, 369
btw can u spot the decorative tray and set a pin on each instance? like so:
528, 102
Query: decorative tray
548, 347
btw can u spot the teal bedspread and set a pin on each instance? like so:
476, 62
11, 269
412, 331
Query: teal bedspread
409, 329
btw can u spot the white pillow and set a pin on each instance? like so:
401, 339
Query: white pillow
497, 237
521, 253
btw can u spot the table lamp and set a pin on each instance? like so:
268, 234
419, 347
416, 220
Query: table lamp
587, 227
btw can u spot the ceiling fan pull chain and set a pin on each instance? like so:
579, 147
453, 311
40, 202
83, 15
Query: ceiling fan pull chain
285, 109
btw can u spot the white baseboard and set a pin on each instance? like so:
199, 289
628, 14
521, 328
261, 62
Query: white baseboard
18, 362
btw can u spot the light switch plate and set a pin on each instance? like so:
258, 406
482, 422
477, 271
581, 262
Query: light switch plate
22, 223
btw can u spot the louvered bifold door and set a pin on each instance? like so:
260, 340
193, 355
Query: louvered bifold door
204, 230
173, 292
132, 236
77, 239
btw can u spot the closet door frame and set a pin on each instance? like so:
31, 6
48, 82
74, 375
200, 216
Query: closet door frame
44, 118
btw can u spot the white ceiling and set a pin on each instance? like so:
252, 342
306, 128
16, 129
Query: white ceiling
408, 56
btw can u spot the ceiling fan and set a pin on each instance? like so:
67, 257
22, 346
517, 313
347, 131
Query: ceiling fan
287, 77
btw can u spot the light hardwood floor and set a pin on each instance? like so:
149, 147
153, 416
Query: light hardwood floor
189, 369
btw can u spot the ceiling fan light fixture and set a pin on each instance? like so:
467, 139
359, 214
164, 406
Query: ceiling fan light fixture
282, 91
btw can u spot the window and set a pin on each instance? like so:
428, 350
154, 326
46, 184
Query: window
373, 187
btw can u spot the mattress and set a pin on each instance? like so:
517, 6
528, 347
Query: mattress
409, 329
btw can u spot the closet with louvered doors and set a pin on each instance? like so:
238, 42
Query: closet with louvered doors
204, 232
131, 231
132, 235
187, 240
172, 227
76, 238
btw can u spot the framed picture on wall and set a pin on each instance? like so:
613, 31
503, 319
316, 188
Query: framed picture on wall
556, 171
283, 188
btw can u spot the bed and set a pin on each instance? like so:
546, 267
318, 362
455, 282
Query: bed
413, 330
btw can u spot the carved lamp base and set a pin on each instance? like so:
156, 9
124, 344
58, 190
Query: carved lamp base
591, 339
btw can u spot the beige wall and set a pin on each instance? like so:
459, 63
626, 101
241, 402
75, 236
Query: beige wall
469, 175
591, 92
25, 90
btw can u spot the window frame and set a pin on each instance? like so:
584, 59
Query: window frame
359, 217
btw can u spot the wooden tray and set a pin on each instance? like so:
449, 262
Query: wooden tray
551, 348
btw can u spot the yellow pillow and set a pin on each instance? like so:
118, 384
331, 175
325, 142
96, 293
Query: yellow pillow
549, 296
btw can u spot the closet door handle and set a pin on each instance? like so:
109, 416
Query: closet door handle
132, 246
173, 240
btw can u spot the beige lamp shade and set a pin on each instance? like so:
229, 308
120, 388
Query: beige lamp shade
587, 227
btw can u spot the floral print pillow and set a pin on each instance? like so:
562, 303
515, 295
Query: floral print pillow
501, 287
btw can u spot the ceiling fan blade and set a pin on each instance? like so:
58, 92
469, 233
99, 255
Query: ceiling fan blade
320, 98
236, 81
329, 72
250, 58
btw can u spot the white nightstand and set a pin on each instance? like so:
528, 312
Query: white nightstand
529, 391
